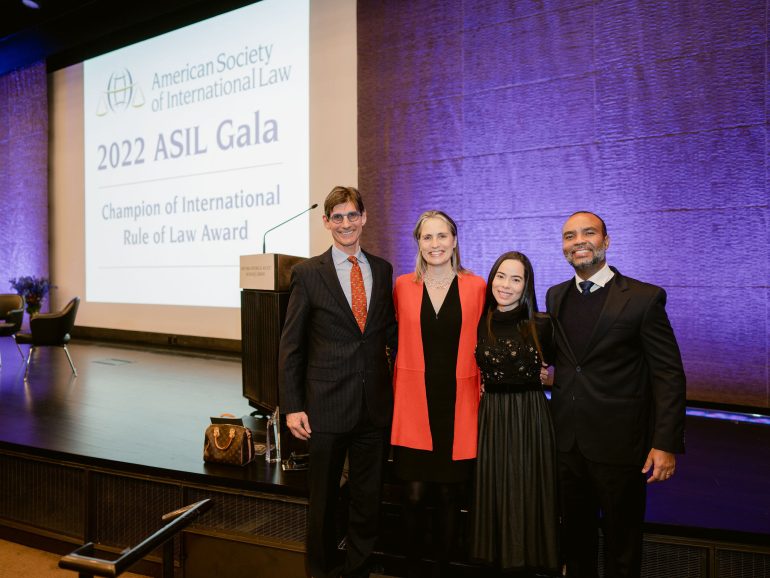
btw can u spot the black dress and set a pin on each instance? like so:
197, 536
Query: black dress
440, 343
514, 522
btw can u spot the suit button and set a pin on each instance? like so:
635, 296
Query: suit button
578, 369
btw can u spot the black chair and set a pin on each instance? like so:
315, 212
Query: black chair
51, 330
11, 316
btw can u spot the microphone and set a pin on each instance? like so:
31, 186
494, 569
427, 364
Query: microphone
313, 206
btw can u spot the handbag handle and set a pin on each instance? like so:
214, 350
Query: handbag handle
229, 441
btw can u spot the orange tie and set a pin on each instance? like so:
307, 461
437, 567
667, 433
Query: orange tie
358, 293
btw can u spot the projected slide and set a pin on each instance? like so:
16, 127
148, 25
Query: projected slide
196, 143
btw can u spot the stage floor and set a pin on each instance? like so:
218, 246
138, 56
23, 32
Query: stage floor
137, 409
147, 409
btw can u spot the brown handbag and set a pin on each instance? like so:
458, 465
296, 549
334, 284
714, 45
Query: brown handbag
228, 444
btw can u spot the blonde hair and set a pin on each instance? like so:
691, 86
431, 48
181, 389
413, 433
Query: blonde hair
421, 266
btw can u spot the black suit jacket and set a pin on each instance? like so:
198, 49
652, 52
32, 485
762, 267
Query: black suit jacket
626, 394
327, 367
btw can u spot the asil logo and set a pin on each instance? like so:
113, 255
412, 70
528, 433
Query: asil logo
121, 94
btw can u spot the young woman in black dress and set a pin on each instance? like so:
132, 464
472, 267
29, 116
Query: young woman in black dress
514, 521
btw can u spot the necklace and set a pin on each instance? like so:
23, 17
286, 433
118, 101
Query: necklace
438, 283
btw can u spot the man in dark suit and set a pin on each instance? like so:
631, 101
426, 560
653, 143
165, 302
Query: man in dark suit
618, 401
335, 382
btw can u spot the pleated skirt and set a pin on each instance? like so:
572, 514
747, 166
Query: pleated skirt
514, 520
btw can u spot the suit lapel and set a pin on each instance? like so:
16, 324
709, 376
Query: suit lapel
559, 294
617, 298
329, 276
377, 278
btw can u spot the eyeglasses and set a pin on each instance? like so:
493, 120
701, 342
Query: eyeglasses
338, 218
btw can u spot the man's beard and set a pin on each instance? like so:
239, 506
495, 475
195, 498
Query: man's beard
599, 255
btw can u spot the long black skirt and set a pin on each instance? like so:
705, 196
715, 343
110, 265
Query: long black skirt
514, 521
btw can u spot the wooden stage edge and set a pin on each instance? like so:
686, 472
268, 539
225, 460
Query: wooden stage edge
102, 456
172, 341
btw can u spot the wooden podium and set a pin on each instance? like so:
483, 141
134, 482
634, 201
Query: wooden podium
265, 285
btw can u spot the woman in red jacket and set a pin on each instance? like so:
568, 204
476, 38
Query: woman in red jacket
436, 381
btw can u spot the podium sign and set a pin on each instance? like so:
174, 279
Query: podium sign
267, 271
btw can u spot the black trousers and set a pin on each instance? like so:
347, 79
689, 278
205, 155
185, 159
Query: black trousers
364, 447
618, 494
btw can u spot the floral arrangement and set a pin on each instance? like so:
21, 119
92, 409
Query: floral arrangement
33, 289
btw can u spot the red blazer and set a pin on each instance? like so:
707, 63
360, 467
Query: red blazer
410, 413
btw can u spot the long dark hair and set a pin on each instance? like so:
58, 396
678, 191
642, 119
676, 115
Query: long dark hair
527, 303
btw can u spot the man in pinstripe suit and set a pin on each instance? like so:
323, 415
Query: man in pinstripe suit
335, 383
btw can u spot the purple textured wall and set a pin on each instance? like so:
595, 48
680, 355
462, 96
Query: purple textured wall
512, 115
23, 174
